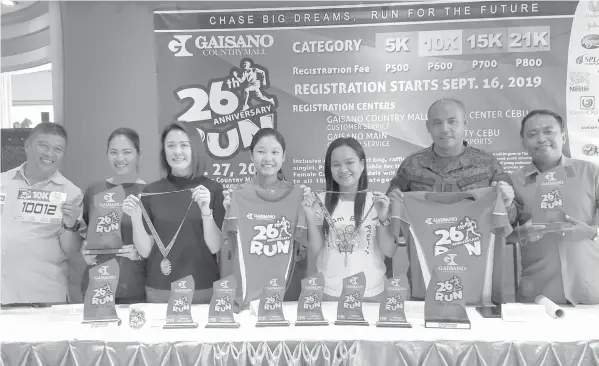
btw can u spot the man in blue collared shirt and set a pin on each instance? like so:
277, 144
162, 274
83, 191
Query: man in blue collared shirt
560, 264
41, 215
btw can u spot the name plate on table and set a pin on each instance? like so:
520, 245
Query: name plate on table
104, 231
516, 312
220, 314
178, 312
444, 304
549, 199
99, 302
270, 310
34, 205
392, 310
349, 306
309, 306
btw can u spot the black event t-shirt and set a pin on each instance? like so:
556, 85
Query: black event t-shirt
190, 255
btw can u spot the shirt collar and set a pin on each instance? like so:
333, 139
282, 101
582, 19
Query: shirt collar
56, 178
532, 169
430, 159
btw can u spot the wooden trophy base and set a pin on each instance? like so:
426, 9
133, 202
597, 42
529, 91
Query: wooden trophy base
108, 323
313, 323
393, 325
278, 323
180, 326
464, 324
222, 325
352, 322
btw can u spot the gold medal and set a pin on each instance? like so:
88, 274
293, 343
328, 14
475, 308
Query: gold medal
165, 266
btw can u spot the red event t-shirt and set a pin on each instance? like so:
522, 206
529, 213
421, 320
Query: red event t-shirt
263, 226
452, 232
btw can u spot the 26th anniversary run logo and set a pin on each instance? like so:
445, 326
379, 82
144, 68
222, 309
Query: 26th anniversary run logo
231, 109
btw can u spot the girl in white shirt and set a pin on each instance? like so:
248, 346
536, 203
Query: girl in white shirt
361, 235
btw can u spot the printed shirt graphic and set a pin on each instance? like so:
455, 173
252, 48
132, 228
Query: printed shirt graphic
263, 229
366, 255
461, 228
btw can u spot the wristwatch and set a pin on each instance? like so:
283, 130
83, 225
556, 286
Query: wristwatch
385, 223
75, 227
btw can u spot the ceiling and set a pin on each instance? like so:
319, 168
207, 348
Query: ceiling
25, 36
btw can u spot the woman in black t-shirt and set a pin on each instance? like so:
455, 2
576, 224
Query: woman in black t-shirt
185, 206
123, 156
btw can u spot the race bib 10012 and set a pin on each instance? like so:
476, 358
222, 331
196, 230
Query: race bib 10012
34, 205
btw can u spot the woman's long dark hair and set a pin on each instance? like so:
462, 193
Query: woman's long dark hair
332, 199
265, 132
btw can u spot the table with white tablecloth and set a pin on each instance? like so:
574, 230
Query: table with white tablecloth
55, 336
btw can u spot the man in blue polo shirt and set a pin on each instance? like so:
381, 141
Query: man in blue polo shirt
560, 264
41, 215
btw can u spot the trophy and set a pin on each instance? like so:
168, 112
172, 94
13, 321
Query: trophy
548, 209
349, 305
220, 314
309, 306
99, 302
391, 310
104, 231
178, 312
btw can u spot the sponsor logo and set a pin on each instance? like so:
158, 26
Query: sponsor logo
579, 82
592, 26
551, 180
450, 259
312, 282
109, 201
239, 45
440, 220
587, 60
182, 286
590, 150
224, 284
253, 216
587, 102
593, 6
103, 270
590, 41
273, 282
353, 280
451, 265
108, 197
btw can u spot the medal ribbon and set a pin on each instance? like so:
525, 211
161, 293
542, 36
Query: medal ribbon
327, 216
145, 215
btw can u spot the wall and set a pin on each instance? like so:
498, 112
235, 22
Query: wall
105, 79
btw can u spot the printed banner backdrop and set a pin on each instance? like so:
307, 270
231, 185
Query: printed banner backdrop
371, 72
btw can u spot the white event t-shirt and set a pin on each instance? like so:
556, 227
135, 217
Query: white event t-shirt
366, 255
